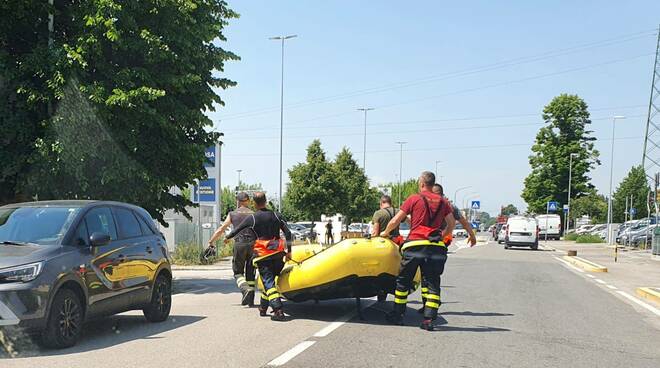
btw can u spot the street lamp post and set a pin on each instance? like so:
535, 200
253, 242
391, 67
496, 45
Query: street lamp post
609, 198
400, 167
364, 147
436, 168
238, 186
281, 38
458, 190
570, 173
467, 199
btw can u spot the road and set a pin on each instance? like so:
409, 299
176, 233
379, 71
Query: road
501, 308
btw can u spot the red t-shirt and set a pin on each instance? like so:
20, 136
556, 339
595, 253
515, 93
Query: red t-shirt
414, 206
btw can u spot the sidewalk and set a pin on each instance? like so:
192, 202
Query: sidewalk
634, 268
222, 264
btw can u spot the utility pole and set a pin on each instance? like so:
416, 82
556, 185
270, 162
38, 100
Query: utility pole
400, 168
570, 176
609, 198
281, 38
238, 186
364, 146
437, 173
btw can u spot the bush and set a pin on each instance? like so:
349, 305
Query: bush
587, 238
187, 254
571, 236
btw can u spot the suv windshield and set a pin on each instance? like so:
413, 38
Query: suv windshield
39, 225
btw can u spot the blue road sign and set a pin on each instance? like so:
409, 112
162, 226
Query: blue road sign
633, 211
205, 192
565, 208
476, 205
552, 206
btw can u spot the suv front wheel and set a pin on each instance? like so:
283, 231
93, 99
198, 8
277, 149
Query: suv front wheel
161, 300
65, 321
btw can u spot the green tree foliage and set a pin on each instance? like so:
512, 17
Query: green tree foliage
565, 133
406, 189
509, 210
358, 200
592, 204
228, 196
634, 184
115, 109
314, 189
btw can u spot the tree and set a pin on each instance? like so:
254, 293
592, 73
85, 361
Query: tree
566, 133
115, 108
509, 210
634, 184
314, 189
358, 200
592, 204
407, 188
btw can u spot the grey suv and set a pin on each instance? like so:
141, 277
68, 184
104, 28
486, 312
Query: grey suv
65, 262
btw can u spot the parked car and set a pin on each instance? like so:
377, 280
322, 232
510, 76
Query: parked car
549, 224
65, 262
596, 228
583, 229
642, 235
522, 231
623, 234
496, 231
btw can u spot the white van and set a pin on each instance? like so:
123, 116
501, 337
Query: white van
521, 231
550, 224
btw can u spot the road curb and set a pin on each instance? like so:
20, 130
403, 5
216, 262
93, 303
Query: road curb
650, 293
585, 264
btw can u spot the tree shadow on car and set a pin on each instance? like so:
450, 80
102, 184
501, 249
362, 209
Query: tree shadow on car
116, 330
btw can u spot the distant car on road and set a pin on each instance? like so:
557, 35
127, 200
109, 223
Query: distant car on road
549, 224
65, 262
501, 234
522, 231
459, 232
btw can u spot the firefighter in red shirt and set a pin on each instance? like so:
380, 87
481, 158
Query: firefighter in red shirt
424, 248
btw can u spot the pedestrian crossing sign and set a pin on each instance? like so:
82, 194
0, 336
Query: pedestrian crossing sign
476, 205
552, 206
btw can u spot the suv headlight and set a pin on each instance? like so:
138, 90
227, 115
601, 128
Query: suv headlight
22, 273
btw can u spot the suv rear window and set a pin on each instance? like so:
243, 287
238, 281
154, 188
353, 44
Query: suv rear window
127, 224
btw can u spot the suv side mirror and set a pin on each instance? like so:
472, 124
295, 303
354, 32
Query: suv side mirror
99, 239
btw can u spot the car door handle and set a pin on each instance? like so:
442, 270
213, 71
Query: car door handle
149, 250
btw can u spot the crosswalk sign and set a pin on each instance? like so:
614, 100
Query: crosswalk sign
552, 206
476, 205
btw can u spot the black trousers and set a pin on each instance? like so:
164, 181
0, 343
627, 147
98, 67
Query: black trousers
244, 271
269, 268
431, 259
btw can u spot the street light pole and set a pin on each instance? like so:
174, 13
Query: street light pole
364, 148
238, 186
400, 167
281, 38
609, 198
458, 190
570, 172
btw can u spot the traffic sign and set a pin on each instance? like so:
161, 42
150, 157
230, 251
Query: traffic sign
633, 211
476, 205
565, 208
552, 206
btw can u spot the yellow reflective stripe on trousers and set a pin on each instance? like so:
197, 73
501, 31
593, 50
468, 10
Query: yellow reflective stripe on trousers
273, 296
264, 296
432, 305
425, 290
400, 300
415, 243
251, 283
432, 296
400, 293
270, 291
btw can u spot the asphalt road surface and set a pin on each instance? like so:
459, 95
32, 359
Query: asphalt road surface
501, 308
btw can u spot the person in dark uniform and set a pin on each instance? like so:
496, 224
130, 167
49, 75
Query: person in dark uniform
244, 271
424, 248
329, 237
269, 252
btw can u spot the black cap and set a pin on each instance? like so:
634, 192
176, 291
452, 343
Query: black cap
242, 197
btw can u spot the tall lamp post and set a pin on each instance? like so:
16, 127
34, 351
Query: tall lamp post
609, 198
281, 38
400, 167
570, 174
436, 168
238, 186
458, 190
364, 147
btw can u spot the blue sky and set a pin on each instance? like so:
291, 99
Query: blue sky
461, 82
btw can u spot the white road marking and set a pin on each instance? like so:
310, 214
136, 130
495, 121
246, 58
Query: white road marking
592, 276
325, 331
611, 287
292, 353
600, 281
639, 302
569, 265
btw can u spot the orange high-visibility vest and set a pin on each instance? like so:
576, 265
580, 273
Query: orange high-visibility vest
267, 247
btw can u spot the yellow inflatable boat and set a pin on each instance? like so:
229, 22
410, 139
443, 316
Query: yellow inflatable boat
352, 268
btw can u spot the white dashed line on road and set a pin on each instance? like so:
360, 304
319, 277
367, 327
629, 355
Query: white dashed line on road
291, 353
653, 310
600, 281
591, 276
611, 287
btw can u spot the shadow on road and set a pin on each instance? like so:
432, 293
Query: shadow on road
476, 314
203, 286
115, 330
